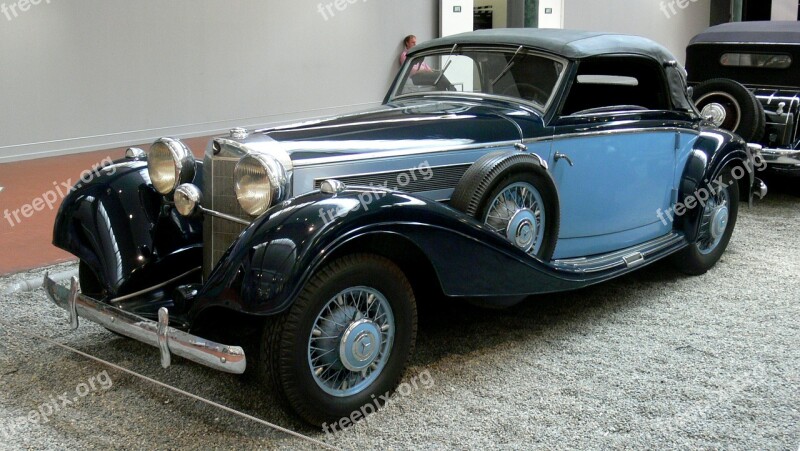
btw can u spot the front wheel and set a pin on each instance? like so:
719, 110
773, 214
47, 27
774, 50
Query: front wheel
345, 343
717, 222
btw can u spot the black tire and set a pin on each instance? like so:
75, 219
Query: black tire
496, 171
700, 256
743, 113
286, 342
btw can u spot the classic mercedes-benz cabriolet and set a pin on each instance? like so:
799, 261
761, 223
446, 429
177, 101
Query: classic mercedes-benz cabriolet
502, 163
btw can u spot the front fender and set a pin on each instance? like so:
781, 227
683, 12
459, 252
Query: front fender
265, 269
120, 227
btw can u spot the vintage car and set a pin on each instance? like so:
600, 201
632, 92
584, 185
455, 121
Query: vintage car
502, 163
746, 79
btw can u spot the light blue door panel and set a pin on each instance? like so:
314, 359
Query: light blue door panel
610, 197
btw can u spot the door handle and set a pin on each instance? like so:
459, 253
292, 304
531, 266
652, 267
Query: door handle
562, 156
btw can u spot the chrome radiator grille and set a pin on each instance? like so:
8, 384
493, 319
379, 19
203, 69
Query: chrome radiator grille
411, 181
218, 190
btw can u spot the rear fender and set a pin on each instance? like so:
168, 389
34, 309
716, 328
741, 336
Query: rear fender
715, 153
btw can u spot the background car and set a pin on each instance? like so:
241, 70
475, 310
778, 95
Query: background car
526, 162
746, 79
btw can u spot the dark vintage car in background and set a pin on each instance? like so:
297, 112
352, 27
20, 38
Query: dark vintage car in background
501, 164
746, 78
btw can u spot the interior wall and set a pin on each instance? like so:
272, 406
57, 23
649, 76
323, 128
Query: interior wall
90, 74
551, 13
785, 9
670, 22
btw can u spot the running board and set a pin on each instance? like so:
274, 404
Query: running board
623, 259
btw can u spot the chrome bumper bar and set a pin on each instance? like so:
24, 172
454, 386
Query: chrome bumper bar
788, 157
230, 359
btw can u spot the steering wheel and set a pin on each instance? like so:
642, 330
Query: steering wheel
527, 91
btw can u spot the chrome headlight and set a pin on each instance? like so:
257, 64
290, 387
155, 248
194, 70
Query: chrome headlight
260, 182
187, 199
169, 163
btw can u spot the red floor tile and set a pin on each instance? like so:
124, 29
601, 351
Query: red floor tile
25, 242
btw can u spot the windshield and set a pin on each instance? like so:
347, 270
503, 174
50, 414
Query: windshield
512, 72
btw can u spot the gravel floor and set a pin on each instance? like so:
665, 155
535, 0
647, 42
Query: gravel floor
652, 360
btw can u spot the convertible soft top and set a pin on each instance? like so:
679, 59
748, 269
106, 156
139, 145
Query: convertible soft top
573, 44
764, 32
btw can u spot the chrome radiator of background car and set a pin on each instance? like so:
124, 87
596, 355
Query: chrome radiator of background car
219, 195
782, 110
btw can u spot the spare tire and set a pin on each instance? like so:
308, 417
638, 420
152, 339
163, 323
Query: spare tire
729, 105
513, 194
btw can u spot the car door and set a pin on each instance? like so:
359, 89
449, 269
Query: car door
613, 159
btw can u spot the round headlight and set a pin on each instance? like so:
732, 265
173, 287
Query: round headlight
260, 182
169, 163
187, 198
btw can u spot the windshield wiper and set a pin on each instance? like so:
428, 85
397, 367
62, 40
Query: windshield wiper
446, 65
508, 66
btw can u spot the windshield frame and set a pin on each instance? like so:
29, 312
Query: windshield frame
405, 73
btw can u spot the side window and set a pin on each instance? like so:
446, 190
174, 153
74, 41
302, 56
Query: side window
619, 83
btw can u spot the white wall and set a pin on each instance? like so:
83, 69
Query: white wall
451, 22
672, 23
556, 18
784, 9
90, 74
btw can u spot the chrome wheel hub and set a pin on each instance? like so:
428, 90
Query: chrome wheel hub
719, 221
715, 113
521, 229
517, 213
351, 341
715, 222
360, 345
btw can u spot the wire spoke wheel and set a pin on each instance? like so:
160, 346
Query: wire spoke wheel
714, 222
351, 341
517, 212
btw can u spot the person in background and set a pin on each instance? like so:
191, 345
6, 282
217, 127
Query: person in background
409, 42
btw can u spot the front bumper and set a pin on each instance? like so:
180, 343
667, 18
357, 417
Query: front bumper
230, 359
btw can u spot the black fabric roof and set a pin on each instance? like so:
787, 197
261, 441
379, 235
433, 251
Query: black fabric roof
779, 32
572, 44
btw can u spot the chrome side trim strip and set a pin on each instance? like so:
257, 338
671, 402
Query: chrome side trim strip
625, 258
229, 359
401, 153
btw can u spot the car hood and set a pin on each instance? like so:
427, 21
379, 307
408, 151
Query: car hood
403, 126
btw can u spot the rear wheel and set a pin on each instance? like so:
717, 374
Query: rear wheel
717, 222
345, 342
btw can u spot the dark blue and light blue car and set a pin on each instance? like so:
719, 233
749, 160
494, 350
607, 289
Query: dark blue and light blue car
502, 164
